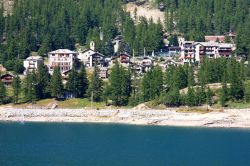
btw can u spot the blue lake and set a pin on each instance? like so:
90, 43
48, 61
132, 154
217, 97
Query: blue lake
65, 144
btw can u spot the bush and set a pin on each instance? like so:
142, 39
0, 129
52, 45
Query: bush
18, 67
9, 65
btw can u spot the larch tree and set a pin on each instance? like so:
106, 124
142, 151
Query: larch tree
16, 85
56, 84
95, 89
83, 82
3, 92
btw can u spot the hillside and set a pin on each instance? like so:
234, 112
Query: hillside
146, 10
7, 4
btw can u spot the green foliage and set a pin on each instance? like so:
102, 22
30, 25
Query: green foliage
119, 87
56, 85
30, 87
43, 82
247, 92
16, 85
95, 89
18, 67
209, 95
73, 82
201, 96
223, 96
3, 93
152, 84
82, 82
191, 81
146, 34
173, 98
195, 19
173, 41
190, 98
177, 77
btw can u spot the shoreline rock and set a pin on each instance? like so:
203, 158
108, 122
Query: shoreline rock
227, 118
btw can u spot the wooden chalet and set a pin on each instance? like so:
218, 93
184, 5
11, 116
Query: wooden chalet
7, 79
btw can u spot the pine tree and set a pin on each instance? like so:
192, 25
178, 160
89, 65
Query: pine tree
173, 98
43, 82
82, 82
237, 88
30, 87
152, 84
190, 76
16, 85
56, 85
190, 99
72, 83
200, 95
224, 91
3, 93
95, 89
209, 95
119, 87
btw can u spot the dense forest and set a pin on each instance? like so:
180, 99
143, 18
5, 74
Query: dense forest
42, 26
196, 18
177, 86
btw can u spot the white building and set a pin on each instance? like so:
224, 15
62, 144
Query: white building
187, 52
32, 63
63, 58
90, 57
196, 51
213, 50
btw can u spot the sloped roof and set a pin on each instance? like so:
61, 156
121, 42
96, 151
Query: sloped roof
93, 52
34, 58
214, 38
60, 51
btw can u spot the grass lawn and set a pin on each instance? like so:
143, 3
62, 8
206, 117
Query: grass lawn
70, 103
238, 105
79, 103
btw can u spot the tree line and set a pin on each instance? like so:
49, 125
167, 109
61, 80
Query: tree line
176, 86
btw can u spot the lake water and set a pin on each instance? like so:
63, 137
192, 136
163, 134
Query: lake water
66, 144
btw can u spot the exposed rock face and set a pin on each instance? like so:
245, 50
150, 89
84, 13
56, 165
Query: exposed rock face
7, 5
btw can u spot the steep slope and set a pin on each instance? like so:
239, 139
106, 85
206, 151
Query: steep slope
145, 10
7, 5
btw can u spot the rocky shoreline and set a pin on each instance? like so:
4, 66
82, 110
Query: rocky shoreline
227, 118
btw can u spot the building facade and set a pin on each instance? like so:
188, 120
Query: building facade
32, 63
62, 58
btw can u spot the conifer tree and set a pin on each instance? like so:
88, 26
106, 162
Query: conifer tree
209, 95
3, 93
82, 82
95, 89
224, 91
190, 98
56, 85
152, 84
72, 83
173, 98
119, 87
16, 85
43, 82
190, 76
30, 87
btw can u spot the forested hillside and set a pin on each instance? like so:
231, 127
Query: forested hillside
196, 18
45, 25
42, 26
